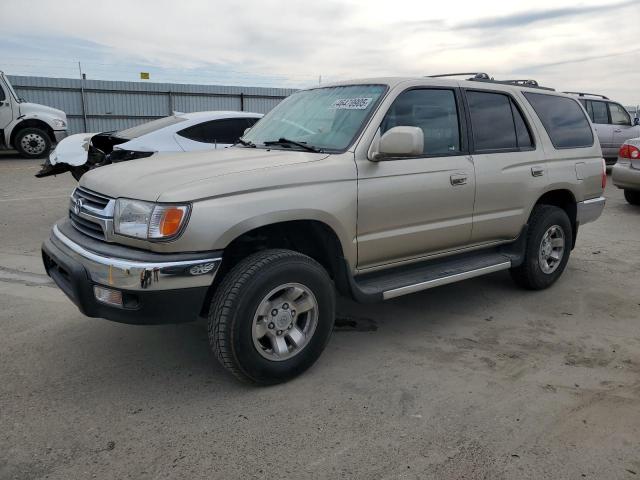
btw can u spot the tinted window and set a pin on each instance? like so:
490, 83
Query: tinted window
217, 131
2, 97
434, 111
599, 112
619, 116
563, 119
497, 124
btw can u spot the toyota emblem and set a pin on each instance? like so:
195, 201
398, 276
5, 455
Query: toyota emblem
77, 205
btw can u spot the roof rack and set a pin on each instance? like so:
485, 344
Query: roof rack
484, 77
582, 94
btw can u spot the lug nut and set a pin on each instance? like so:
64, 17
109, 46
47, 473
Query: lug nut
285, 306
274, 312
272, 326
293, 313
290, 326
279, 332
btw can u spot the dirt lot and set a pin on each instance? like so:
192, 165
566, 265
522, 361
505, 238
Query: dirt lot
473, 380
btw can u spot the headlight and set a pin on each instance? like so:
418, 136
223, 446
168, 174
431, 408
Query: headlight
59, 123
149, 221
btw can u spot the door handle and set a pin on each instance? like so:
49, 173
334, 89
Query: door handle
537, 171
458, 180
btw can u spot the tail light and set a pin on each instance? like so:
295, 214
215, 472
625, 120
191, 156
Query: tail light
604, 174
629, 151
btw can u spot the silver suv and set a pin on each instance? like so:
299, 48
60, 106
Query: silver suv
612, 122
372, 188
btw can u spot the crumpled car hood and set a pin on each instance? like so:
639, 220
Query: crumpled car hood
190, 176
72, 150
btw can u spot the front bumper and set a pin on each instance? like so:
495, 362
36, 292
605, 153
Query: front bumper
590, 210
624, 176
163, 288
59, 135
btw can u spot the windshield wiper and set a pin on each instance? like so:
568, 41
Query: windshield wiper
286, 141
246, 143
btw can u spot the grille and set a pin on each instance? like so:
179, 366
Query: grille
91, 199
94, 215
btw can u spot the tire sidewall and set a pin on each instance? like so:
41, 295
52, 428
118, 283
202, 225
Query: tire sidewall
556, 216
290, 270
26, 131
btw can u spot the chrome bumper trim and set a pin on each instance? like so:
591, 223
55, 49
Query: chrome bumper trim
590, 210
133, 275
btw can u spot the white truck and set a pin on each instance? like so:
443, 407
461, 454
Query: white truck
29, 128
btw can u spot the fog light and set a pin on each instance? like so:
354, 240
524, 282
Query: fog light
108, 296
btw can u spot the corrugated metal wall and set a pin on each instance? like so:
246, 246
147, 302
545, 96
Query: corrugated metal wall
112, 105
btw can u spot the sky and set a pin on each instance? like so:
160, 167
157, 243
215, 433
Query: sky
591, 46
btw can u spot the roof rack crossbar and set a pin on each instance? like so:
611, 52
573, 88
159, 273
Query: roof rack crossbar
582, 94
478, 75
483, 77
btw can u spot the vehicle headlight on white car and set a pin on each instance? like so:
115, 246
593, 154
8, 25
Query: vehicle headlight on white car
59, 123
149, 221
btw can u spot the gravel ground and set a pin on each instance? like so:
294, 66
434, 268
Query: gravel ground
473, 380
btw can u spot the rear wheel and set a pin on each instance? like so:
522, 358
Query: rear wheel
632, 196
272, 316
32, 143
549, 240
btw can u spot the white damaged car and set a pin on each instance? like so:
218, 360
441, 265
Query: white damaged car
180, 132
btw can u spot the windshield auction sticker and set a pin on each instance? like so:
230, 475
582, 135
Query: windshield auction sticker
351, 103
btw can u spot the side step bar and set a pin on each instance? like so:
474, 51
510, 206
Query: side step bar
452, 278
397, 281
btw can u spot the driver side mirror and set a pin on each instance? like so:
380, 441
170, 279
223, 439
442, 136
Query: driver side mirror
399, 142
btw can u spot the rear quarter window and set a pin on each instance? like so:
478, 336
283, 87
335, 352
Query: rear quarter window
563, 119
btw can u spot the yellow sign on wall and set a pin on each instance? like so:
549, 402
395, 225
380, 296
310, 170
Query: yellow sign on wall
144, 75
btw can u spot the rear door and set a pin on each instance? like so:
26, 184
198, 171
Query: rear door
623, 129
412, 207
509, 170
599, 114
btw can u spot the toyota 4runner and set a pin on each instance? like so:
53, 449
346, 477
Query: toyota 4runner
373, 188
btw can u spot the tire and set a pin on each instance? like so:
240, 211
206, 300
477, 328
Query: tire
632, 196
535, 273
32, 143
235, 325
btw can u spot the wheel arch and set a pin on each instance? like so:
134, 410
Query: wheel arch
312, 237
31, 123
565, 199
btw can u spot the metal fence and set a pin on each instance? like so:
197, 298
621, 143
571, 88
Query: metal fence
101, 105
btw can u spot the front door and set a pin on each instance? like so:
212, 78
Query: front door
412, 207
623, 129
6, 112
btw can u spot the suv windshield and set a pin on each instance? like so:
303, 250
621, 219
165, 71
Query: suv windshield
324, 118
148, 127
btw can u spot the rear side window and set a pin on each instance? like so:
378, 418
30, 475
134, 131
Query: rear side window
434, 111
218, 131
597, 111
497, 123
563, 119
619, 116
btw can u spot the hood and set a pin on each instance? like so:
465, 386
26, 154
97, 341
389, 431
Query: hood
72, 150
176, 177
35, 110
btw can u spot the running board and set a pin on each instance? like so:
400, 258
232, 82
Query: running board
452, 278
398, 281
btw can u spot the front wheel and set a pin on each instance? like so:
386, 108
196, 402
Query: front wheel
549, 240
32, 143
632, 196
272, 316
